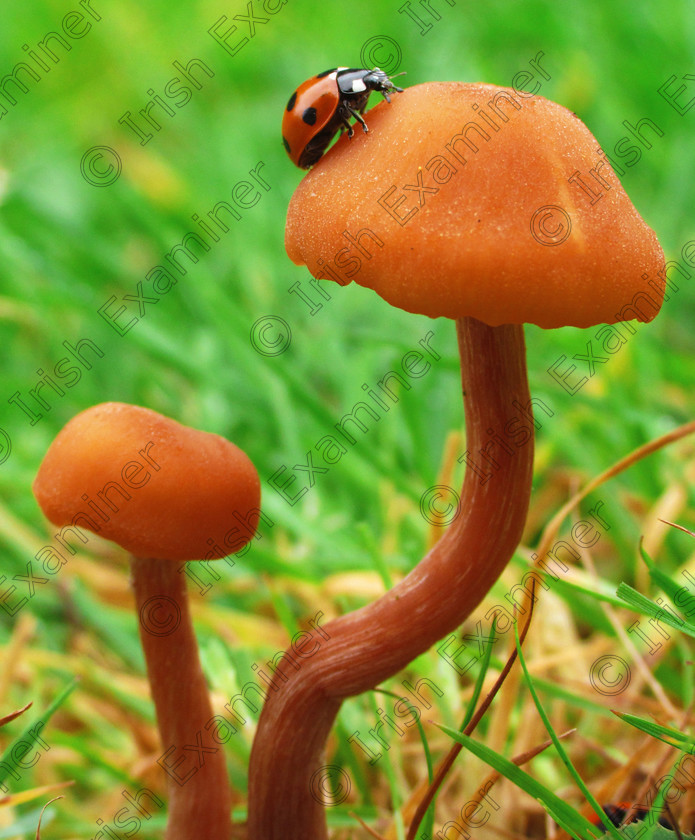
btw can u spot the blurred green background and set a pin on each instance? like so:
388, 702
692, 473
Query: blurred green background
66, 246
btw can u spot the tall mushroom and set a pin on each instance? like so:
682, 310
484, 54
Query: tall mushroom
494, 208
166, 493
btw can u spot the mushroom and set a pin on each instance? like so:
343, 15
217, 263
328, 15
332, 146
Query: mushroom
494, 208
166, 493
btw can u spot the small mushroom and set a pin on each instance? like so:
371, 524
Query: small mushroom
166, 493
493, 208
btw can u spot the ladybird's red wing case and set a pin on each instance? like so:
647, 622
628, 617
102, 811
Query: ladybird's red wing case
321, 107
309, 110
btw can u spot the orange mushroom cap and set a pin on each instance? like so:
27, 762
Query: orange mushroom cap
474, 200
159, 489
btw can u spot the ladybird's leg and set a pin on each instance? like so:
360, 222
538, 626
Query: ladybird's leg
359, 105
345, 112
358, 116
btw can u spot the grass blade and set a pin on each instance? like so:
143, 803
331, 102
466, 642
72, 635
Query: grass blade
8, 764
672, 737
645, 606
565, 815
561, 750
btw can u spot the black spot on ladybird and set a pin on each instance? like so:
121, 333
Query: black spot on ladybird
291, 101
309, 116
286, 145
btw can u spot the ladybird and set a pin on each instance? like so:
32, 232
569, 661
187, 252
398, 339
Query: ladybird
618, 813
323, 105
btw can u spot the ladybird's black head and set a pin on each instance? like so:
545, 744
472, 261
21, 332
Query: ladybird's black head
376, 79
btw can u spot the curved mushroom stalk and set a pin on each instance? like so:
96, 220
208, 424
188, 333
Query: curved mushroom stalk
200, 799
375, 642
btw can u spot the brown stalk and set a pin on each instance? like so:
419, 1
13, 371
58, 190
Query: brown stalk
375, 642
200, 800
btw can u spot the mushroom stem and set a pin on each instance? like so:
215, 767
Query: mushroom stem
200, 800
287, 788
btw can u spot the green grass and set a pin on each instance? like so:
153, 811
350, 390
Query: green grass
66, 247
